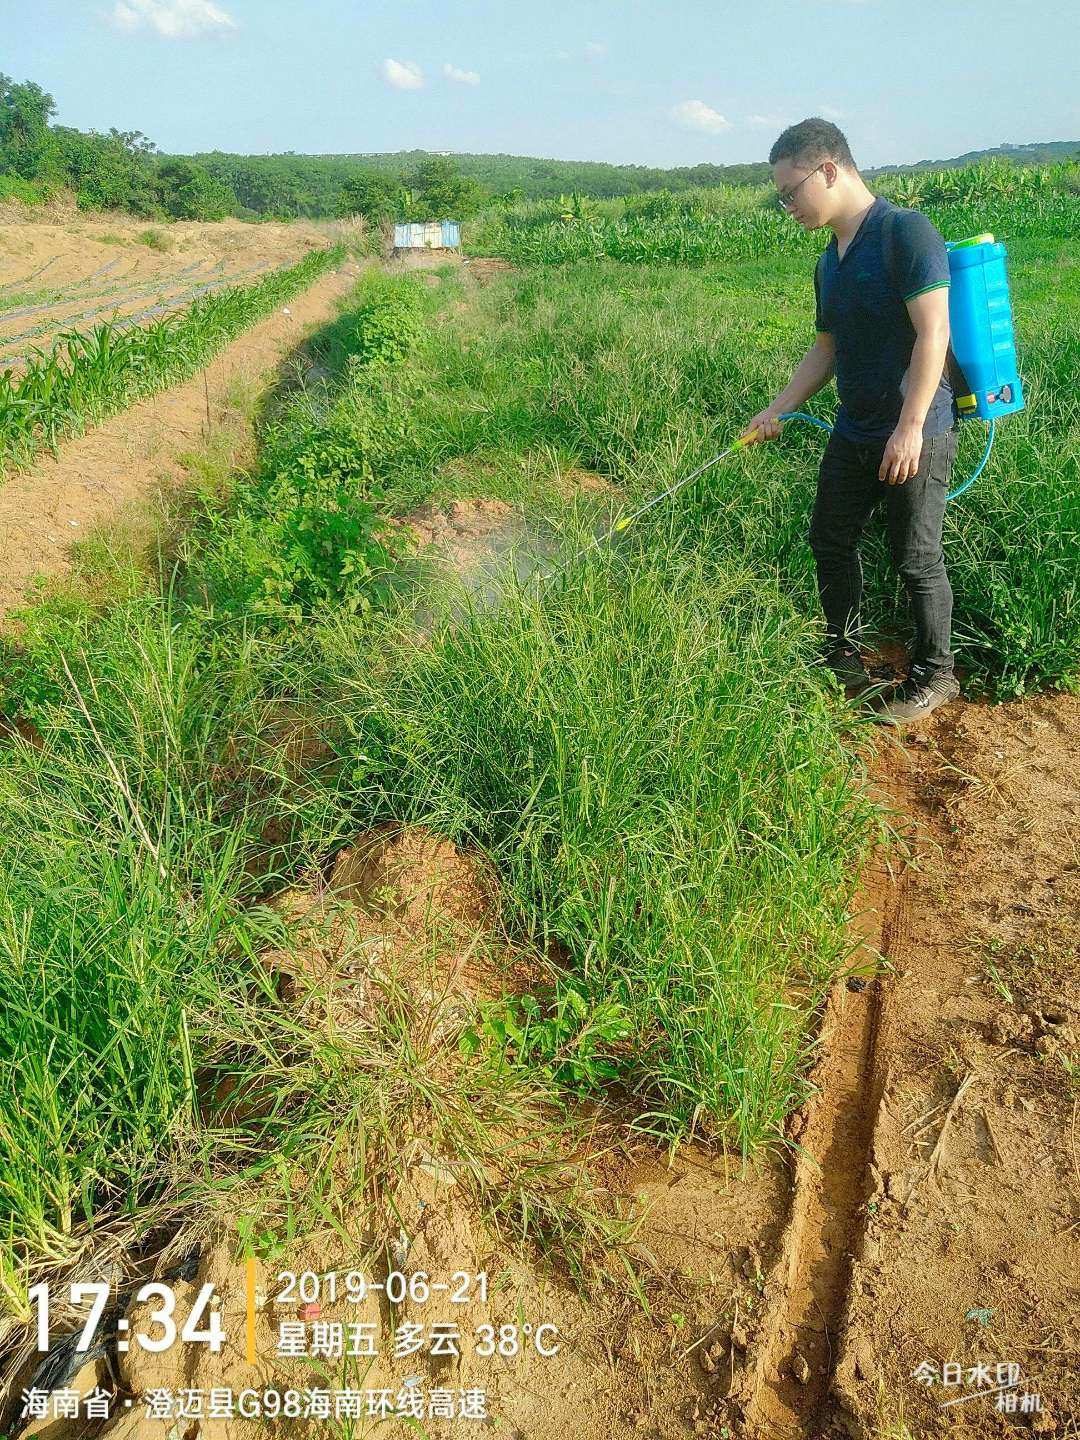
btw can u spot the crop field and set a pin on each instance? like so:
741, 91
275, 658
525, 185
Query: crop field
392, 867
54, 280
83, 340
90, 374
739, 223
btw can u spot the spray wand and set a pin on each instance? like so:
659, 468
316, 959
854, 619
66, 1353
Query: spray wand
625, 521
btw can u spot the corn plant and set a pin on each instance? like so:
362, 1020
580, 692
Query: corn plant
725, 223
88, 376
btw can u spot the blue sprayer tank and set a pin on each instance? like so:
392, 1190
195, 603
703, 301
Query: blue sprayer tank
980, 319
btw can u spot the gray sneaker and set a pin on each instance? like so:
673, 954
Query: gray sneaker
919, 696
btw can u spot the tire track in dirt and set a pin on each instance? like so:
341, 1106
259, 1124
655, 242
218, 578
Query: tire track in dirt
850, 1307
786, 1390
968, 1250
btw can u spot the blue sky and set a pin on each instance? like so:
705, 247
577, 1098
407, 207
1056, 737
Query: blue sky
657, 82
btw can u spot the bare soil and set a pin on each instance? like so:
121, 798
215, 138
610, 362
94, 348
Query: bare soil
132, 455
55, 278
967, 1248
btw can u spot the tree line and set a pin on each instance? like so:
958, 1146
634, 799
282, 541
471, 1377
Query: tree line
124, 170
118, 170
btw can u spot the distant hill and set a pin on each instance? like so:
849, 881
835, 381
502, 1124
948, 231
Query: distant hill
536, 177
316, 177
539, 177
1046, 153
313, 181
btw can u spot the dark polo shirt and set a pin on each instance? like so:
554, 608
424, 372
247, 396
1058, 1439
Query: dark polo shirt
859, 305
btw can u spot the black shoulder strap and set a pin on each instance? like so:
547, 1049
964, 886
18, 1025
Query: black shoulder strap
888, 230
957, 379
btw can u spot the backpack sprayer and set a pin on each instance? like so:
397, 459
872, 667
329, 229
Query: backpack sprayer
982, 358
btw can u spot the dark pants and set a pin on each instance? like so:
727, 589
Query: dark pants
848, 493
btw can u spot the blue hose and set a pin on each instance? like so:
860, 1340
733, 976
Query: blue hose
824, 425
978, 468
813, 419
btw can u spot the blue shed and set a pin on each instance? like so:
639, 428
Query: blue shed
427, 235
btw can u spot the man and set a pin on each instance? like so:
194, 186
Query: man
882, 290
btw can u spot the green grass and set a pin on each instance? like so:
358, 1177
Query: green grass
29, 192
671, 796
155, 239
130, 993
666, 793
305, 530
643, 372
19, 298
157, 803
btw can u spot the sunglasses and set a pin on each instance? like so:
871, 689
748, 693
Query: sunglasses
786, 196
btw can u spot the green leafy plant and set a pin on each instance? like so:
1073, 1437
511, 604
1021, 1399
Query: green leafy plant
155, 239
307, 531
570, 1037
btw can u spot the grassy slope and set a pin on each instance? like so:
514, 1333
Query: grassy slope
645, 371
664, 787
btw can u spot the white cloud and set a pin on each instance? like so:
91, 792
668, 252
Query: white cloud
765, 122
463, 77
402, 74
830, 112
696, 115
173, 19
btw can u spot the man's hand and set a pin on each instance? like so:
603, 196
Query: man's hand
902, 454
767, 425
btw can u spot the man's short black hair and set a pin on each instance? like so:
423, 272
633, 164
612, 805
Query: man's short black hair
812, 142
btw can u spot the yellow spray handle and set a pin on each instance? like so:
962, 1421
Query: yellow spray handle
626, 520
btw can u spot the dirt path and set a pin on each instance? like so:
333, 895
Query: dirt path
56, 501
934, 1223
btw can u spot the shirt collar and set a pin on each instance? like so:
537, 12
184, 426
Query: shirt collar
873, 214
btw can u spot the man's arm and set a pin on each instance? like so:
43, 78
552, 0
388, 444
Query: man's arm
930, 316
813, 373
